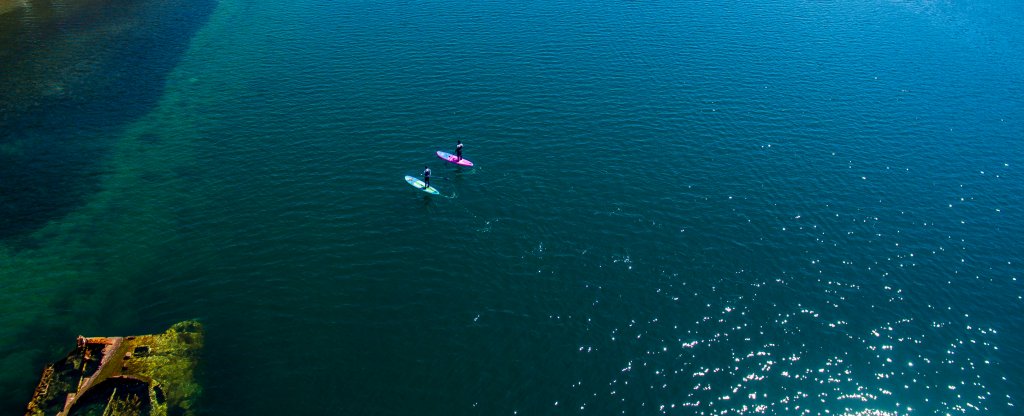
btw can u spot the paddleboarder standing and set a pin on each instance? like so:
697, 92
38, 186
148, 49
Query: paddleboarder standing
458, 150
426, 176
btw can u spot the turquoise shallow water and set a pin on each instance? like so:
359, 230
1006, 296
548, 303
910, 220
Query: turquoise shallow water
706, 208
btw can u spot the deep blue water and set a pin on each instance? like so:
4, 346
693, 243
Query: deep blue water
71, 76
778, 207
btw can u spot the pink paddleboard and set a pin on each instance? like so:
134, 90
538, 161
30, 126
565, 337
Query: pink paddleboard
450, 158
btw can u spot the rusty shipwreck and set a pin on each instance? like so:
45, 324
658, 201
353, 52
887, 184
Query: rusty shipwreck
150, 375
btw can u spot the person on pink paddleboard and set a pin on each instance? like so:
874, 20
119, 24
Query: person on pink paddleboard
458, 150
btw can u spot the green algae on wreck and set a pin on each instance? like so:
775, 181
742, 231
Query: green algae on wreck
135, 375
8, 5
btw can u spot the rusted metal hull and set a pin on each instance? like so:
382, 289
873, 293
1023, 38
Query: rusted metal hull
136, 375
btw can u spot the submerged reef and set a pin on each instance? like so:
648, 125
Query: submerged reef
124, 376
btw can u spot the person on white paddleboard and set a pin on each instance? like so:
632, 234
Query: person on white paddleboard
458, 150
426, 176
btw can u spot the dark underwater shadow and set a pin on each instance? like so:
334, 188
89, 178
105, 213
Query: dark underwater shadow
73, 74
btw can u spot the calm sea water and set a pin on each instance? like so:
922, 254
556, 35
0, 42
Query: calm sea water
780, 207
